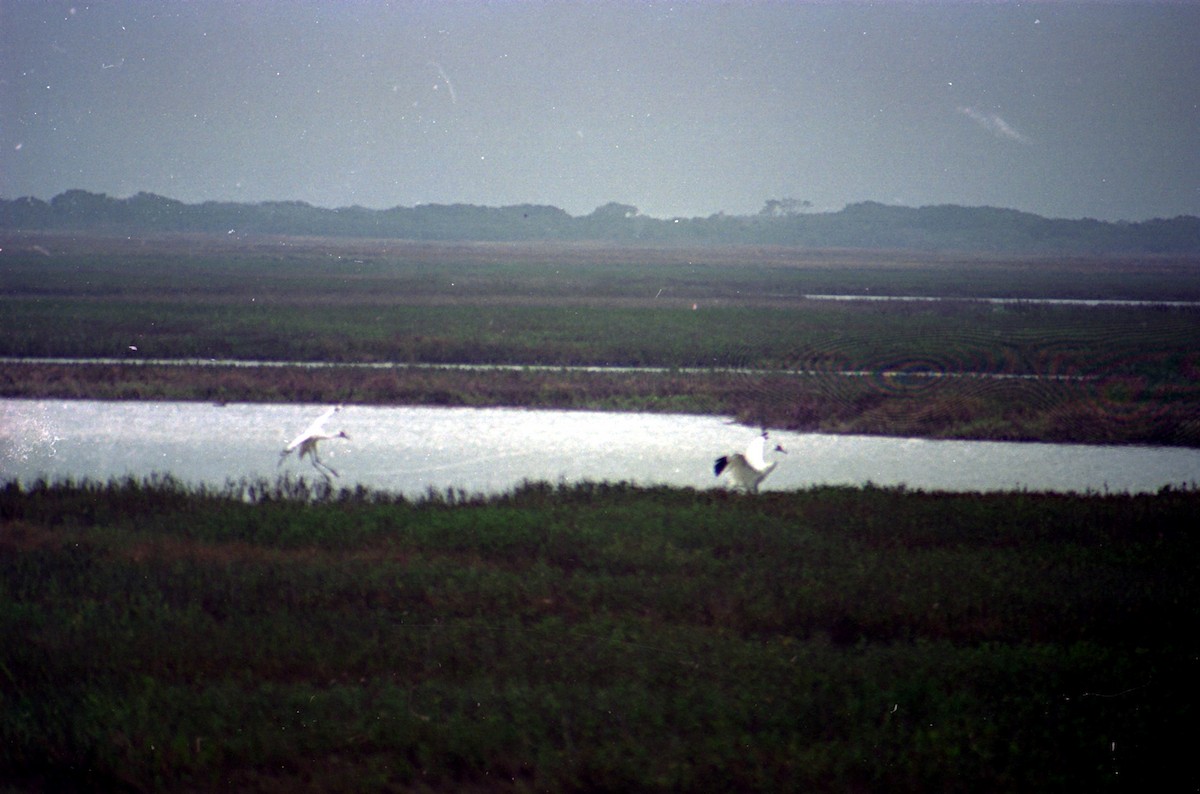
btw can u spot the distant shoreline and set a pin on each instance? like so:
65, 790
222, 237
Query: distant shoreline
862, 225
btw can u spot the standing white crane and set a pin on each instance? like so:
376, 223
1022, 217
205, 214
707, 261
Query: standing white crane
307, 442
749, 468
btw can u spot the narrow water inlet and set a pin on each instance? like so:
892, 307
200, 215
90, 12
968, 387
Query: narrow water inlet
412, 449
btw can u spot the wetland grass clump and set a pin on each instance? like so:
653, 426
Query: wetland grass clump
285, 636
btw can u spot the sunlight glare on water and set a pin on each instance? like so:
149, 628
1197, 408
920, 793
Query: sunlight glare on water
410, 450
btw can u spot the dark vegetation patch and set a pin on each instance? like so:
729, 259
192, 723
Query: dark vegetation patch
272, 636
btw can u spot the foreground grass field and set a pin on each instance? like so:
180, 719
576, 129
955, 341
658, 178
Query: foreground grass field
595, 637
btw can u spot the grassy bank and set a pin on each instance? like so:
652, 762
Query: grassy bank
1113, 410
594, 637
1153, 342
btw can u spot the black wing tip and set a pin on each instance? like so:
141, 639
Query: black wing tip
720, 464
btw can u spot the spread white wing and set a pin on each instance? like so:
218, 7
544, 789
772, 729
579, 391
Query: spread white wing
315, 429
756, 453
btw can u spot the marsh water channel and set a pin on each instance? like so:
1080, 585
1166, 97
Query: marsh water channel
410, 450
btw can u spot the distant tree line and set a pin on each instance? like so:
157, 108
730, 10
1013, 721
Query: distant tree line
787, 222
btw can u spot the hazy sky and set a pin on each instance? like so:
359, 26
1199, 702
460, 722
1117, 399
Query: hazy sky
685, 108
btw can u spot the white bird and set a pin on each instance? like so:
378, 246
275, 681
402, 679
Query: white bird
749, 468
307, 441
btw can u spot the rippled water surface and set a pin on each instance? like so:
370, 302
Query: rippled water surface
412, 449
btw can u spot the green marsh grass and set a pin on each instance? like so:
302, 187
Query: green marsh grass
298, 299
1157, 343
290, 636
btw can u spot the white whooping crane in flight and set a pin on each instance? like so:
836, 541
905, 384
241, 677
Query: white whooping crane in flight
307, 442
749, 468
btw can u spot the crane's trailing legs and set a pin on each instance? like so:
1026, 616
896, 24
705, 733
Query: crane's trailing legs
307, 442
748, 469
